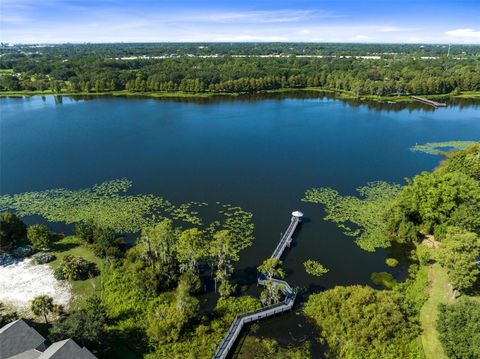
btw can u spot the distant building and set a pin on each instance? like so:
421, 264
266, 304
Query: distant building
20, 341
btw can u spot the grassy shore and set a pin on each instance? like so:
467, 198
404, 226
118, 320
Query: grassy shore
474, 95
438, 294
81, 289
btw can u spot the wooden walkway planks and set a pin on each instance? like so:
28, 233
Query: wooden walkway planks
265, 312
286, 238
428, 102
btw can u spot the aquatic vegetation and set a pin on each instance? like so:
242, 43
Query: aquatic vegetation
383, 279
440, 148
315, 268
108, 205
360, 217
391, 262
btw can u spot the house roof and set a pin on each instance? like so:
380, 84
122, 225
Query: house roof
20, 341
18, 337
66, 349
29, 354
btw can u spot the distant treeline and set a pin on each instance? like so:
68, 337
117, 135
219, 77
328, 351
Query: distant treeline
264, 48
92, 68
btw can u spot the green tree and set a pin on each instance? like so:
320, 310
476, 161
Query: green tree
6, 315
12, 230
431, 200
159, 242
85, 231
360, 322
169, 313
87, 326
459, 329
466, 161
223, 254
39, 236
460, 249
108, 244
271, 268
42, 306
191, 248
164, 321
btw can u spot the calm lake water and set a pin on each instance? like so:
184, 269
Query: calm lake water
259, 154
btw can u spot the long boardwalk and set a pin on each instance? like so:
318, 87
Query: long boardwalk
265, 312
429, 102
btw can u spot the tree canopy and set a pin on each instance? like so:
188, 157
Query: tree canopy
459, 328
360, 322
12, 230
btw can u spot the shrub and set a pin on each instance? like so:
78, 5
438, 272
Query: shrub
361, 322
85, 231
424, 254
391, 262
86, 325
12, 230
58, 273
458, 326
108, 244
23, 251
39, 236
75, 268
43, 257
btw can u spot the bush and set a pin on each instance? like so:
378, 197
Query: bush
58, 273
39, 236
459, 329
85, 231
383, 278
108, 245
361, 322
12, 230
75, 268
391, 262
23, 251
43, 257
86, 326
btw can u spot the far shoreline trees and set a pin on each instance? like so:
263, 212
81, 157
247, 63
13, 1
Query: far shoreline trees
74, 70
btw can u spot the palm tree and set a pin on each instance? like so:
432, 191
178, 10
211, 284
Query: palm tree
42, 305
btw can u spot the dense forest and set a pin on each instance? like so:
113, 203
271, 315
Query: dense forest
368, 70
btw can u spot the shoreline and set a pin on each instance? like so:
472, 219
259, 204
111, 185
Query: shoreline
341, 95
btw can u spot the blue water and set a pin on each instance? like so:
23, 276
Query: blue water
259, 154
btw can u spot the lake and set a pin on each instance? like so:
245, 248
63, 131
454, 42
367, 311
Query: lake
258, 153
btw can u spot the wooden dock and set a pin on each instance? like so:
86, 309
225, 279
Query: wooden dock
429, 102
265, 312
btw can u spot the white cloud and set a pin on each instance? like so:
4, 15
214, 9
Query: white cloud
274, 16
360, 37
464, 34
395, 29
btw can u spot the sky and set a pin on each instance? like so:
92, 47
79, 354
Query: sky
373, 21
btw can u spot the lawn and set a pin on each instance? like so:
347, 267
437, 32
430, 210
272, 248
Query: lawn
81, 289
438, 293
